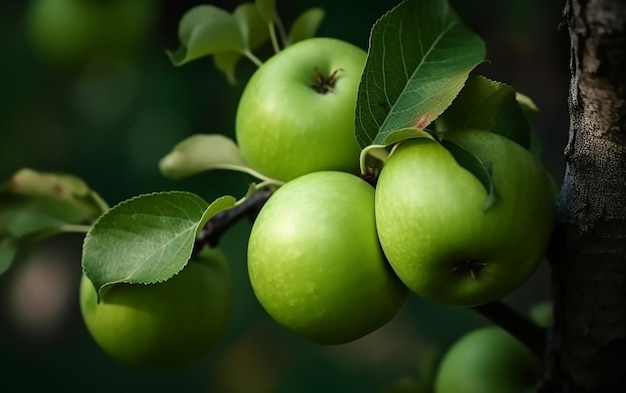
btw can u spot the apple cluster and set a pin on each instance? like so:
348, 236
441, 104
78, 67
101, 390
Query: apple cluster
331, 257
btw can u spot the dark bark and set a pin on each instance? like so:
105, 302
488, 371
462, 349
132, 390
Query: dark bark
587, 352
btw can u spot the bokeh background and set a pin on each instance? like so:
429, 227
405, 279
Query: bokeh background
109, 121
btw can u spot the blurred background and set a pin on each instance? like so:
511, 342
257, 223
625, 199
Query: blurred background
109, 120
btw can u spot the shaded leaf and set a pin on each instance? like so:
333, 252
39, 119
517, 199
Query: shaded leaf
419, 57
267, 9
254, 32
306, 25
482, 170
36, 205
530, 110
252, 25
527, 104
407, 133
33, 201
484, 104
227, 63
146, 239
8, 250
206, 30
203, 152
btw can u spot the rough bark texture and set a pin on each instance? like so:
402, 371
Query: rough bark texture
587, 351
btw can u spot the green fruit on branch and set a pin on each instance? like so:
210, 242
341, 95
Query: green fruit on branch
162, 326
487, 360
296, 113
315, 263
436, 232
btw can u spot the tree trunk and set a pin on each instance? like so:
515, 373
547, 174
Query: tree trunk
587, 350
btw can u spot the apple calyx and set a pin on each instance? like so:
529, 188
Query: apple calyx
325, 84
470, 267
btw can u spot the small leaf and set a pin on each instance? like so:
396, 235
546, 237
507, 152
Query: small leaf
227, 63
491, 106
530, 110
475, 166
267, 9
203, 152
146, 239
372, 160
406, 133
252, 26
206, 30
306, 25
8, 250
254, 32
45, 202
527, 104
419, 57
220, 204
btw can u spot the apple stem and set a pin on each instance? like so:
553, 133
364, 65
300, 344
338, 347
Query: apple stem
325, 83
273, 38
518, 325
219, 224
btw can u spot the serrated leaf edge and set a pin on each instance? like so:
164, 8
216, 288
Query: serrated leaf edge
100, 291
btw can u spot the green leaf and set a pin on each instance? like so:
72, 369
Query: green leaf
475, 166
488, 105
419, 57
406, 133
46, 202
530, 110
8, 250
227, 63
206, 30
35, 206
527, 104
254, 32
203, 152
146, 239
267, 9
252, 26
306, 25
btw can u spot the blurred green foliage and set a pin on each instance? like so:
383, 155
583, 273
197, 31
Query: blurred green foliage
109, 122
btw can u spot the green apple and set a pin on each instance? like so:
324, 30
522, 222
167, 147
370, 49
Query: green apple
75, 31
162, 326
296, 113
434, 228
315, 263
485, 360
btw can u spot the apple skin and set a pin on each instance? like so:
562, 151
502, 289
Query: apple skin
487, 359
285, 128
430, 218
315, 263
164, 326
76, 31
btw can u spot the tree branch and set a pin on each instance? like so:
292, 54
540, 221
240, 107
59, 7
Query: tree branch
518, 325
218, 225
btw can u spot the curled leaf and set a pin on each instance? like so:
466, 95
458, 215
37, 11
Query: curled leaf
488, 105
203, 152
206, 30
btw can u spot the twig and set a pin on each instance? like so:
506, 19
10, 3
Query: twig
218, 225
